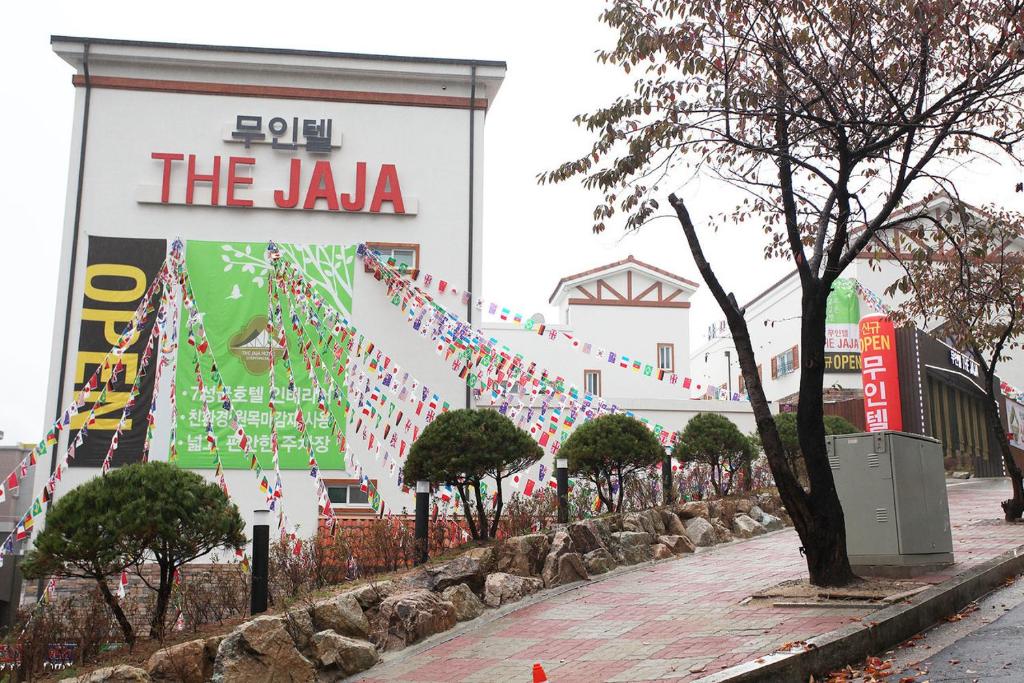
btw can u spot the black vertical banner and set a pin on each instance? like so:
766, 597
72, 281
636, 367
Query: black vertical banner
119, 271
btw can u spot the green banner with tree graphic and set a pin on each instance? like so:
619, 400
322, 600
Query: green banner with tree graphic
842, 336
229, 281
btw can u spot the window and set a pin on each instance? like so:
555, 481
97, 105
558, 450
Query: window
592, 382
786, 362
667, 357
405, 255
347, 494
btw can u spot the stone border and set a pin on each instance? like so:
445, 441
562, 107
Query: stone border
882, 629
491, 615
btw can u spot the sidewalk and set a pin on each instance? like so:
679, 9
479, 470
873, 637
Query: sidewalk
679, 619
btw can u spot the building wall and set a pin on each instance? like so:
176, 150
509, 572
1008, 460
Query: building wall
428, 144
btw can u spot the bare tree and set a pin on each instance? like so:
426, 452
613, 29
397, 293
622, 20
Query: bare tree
826, 115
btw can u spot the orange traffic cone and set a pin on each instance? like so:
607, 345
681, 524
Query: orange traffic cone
538, 674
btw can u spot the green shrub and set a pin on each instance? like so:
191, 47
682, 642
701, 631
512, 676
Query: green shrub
714, 440
462, 448
608, 451
142, 512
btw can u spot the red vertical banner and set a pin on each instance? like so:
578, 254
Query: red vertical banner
879, 373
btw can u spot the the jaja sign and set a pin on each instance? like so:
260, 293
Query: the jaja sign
882, 409
313, 184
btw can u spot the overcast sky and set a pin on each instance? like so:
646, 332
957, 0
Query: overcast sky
533, 235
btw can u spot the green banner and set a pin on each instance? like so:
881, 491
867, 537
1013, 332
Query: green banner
229, 281
842, 332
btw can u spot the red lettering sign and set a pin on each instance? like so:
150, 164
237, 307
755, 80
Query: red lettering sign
318, 193
879, 373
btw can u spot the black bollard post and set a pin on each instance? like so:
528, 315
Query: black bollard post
562, 479
668, 493
422, 512
260, 560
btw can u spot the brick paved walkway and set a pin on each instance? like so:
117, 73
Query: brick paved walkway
680, 619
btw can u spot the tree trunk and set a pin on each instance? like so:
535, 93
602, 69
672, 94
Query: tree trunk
1013, 507
817, 517
115, 607
622, 491
481, 513
827, 559
163, 599
500, 503
467, 511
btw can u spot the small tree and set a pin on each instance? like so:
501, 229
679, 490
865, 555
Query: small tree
462, 448
965, 269
713, 440
152, 511
607, 451
178, 517
85, 538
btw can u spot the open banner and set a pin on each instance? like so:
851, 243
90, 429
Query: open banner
118, 274
229, 281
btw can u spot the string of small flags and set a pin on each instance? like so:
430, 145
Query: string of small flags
479, 351
442, 327
112, 363
505, 314
330, 323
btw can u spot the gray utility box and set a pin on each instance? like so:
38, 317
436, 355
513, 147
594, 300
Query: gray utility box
892, 487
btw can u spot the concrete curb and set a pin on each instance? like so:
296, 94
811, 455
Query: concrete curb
880, 630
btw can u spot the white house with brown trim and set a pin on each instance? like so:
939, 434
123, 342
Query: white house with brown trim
626, 308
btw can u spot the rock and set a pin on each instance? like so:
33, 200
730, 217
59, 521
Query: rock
561, 545
961, 475
755, 513
187, 662
501, 588
632, 538
648, 521
584, 536
745, 527
677, 544
673, 525
261, 650
743, 506
348, 656
370, 595
599, 561
409, 617
343, 615
694, 508
112, 674
700, 532
562, 569
722, 533
467, 605
632, 547
299, 624
661, 552
523, 555
470, 568
771, 522
714, 509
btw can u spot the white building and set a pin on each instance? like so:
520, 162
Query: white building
245, 145
626, 309
773, 319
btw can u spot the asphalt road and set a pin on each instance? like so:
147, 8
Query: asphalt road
982, 644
